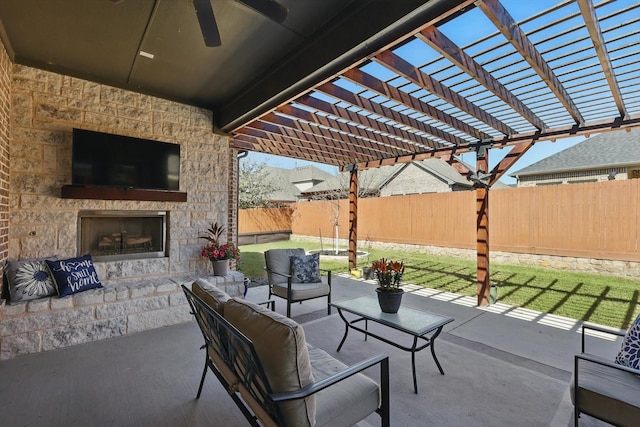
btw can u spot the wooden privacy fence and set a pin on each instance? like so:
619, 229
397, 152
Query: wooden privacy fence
591, 220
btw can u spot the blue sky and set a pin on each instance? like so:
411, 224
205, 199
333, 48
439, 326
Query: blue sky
538, 152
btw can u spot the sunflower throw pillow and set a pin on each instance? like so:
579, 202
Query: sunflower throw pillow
28, 279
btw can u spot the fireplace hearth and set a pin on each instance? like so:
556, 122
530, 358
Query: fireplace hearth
118, 235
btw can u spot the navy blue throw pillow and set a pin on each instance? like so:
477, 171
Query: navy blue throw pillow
305, 268
74, 275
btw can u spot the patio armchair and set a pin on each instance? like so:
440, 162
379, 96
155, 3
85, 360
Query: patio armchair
604, 389
296, 277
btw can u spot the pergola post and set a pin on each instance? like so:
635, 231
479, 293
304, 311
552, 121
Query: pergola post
482, 229
353, 216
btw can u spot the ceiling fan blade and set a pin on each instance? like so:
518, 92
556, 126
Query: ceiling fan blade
207, 22
269, 8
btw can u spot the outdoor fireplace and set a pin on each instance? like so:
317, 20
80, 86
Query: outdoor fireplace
118, 235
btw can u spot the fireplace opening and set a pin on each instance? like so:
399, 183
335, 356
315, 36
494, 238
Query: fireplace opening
117, 235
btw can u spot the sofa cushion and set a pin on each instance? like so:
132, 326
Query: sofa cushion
305, 268
629, 354
213, 296
279, 261
27, 280
74, 275
348, 401
281, 347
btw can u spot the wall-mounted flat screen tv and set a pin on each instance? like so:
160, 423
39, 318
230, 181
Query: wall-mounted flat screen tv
107, 160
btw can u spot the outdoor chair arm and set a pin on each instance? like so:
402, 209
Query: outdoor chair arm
317, 386
603, 362
597, 328
269, 303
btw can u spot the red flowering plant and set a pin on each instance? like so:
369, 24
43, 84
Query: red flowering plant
388, 273
214, 249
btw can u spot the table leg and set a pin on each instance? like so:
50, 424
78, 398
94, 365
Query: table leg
413, 364
346, 329
366, 328
433, 349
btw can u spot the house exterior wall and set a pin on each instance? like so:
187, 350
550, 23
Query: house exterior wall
575, 177
47, 106
38, 110
5, 107
414, 180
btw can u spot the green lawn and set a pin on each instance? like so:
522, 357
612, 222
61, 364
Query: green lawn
602, 299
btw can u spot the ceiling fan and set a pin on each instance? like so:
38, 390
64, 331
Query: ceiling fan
269, 8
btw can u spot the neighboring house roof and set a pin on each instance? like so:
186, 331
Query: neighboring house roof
308, 173
610, 149
373, 180
284, 181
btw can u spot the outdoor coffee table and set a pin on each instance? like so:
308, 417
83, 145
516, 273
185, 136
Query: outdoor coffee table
421, 325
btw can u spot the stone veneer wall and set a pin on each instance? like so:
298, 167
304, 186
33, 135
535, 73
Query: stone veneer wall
38, 110
45, 109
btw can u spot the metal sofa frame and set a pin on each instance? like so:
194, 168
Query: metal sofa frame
232, 357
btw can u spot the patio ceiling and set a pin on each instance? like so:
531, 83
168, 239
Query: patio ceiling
481, 73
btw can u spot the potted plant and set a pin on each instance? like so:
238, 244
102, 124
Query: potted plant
388, 273
218, 253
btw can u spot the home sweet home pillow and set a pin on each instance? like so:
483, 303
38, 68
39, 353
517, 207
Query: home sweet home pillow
74, 275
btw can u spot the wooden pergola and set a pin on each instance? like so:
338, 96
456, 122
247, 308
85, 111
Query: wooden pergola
572, 69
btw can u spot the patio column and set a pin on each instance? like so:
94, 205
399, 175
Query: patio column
482, 230
353, 216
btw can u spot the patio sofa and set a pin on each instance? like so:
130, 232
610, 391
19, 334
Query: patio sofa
276, 379
604, 389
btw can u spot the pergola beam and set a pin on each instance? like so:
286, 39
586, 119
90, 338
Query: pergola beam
376, 85
355, 117
441, 43
591, 21
382, 143
279, 140
354, 124
247, 142
366, 104
415, 75
294, 128
497, 14
607, 125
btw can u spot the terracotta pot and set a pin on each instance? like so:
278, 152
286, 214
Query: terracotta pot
389, 301
220, 267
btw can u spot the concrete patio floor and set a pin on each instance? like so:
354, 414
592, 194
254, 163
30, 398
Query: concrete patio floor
503, 367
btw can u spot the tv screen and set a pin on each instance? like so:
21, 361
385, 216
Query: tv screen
107, 160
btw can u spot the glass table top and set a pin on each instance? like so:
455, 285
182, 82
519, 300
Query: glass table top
410, 320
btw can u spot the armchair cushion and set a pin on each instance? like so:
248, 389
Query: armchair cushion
279, 264
305, 268
629, 354
302, 291
281, 347
607, 393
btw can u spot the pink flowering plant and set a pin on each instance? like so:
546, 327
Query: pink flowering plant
214, 249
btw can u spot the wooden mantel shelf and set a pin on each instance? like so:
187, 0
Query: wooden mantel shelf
105, 193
